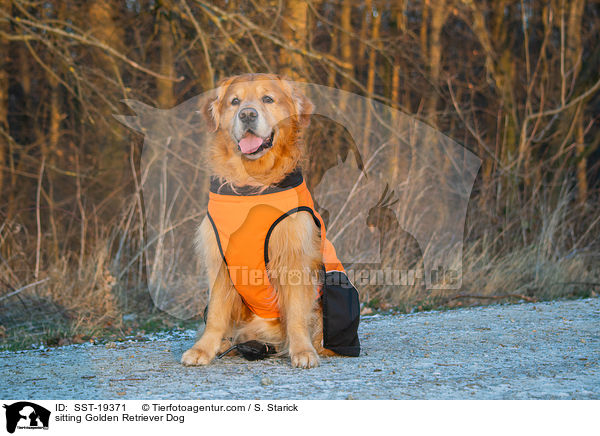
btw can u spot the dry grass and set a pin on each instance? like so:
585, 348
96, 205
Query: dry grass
551, 253
77, 299
558, 258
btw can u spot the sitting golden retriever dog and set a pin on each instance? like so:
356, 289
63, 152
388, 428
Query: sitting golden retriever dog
263, 242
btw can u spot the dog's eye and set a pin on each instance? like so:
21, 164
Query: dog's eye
235, 101
267, 99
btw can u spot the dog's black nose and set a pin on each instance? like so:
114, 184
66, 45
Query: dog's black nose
248, 115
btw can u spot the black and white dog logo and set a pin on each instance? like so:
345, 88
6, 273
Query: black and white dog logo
26, 415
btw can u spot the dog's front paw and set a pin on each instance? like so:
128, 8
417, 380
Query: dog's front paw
305, 359
196, 356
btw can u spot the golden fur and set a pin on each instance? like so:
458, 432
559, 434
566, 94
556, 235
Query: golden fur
294, 243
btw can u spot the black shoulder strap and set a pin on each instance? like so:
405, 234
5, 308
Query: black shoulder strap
281, 218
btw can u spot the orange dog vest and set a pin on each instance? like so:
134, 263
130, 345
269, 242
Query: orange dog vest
243, 220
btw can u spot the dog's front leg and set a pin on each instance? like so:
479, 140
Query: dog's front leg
294, 253
223, 300
218, 322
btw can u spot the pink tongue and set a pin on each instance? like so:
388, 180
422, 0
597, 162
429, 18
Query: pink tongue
250, 143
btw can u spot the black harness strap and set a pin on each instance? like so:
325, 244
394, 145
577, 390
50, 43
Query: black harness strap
281, 218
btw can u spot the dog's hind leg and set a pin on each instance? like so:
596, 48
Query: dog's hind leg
294, 260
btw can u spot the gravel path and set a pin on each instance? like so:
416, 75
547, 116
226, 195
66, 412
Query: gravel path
524, 351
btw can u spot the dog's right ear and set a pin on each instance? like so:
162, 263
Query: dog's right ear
209, 114
211, 108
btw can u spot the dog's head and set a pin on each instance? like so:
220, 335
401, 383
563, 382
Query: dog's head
257, 120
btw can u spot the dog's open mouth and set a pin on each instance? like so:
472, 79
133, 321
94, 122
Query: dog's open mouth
252, 144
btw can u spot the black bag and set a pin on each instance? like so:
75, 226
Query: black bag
341, 314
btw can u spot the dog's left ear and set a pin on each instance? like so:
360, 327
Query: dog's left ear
304, 107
